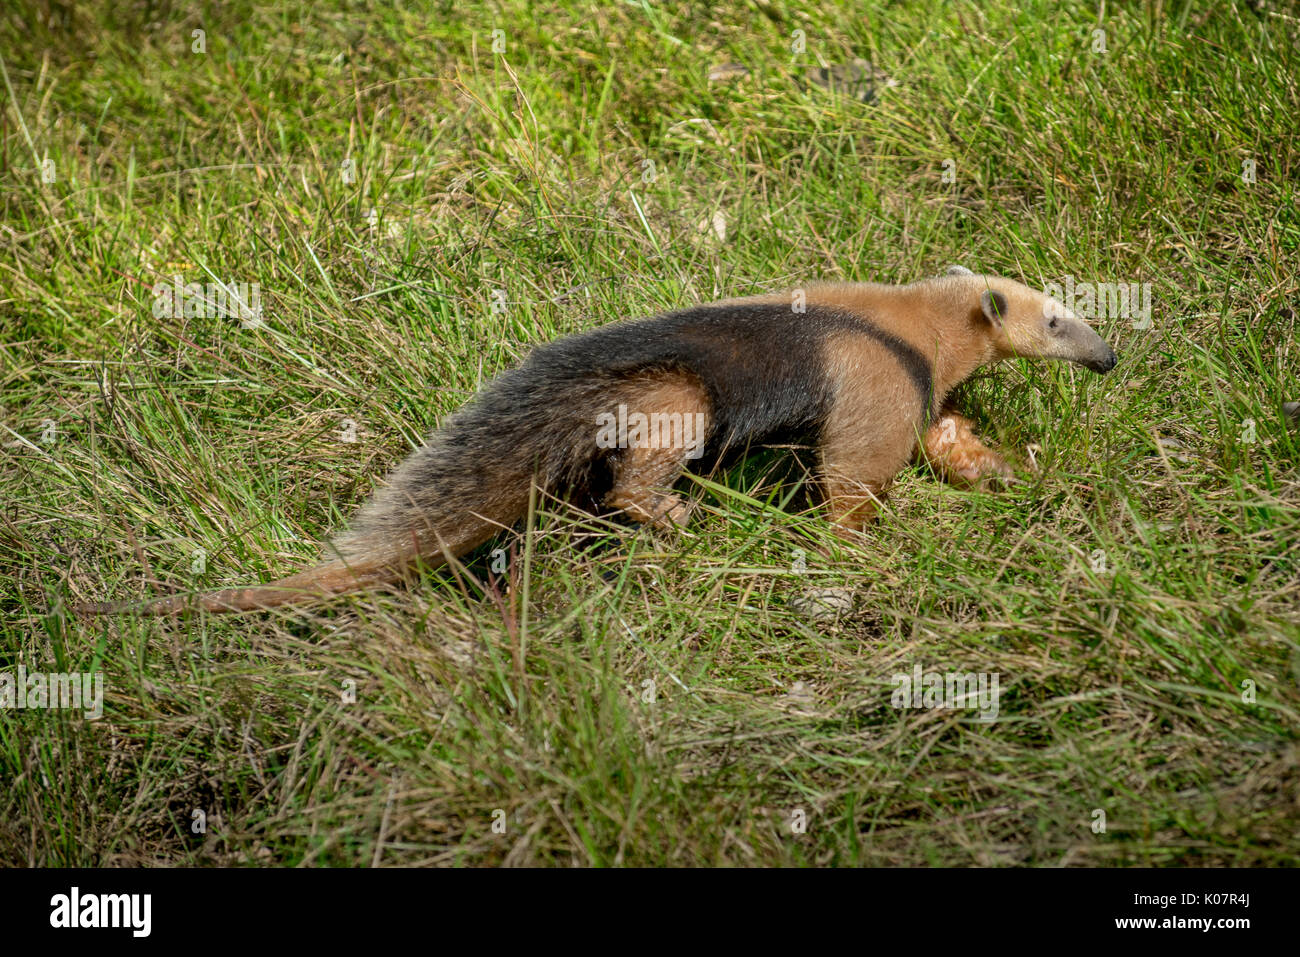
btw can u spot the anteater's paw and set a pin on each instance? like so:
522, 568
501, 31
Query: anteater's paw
666, 514
998, 473
675, 515
981, 469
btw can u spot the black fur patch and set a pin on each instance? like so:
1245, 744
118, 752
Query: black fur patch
762, 365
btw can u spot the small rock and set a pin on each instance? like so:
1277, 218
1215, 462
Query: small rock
800, 700
823, 604
1172, 447
728, 71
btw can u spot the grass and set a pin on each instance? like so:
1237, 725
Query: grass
611, 698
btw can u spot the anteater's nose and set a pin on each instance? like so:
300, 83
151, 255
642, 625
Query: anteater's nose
1105, 363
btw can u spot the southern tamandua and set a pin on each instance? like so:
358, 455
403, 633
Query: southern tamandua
860, 371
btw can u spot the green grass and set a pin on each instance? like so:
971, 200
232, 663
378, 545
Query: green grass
523, 172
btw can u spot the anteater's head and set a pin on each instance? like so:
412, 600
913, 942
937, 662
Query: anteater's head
1027, 324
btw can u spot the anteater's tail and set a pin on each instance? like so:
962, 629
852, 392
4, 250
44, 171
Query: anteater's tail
330, 578
469, 481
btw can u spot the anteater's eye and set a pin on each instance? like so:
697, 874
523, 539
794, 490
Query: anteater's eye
1052, 324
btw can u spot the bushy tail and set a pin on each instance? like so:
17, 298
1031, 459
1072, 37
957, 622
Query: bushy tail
468, 482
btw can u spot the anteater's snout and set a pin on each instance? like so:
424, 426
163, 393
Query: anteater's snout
1080, 343
1103, 363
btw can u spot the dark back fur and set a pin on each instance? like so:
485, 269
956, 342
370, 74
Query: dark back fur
762, 364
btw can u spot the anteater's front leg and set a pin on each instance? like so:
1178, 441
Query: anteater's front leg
951, 447
866, 440
858, 465
853, 504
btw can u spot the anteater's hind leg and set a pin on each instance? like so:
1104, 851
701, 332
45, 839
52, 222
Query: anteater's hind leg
951, 447
641, 477
676, 412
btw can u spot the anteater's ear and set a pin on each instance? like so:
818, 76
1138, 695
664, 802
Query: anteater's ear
994, 306
958, 271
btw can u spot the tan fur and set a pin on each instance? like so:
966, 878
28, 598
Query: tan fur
937, 317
